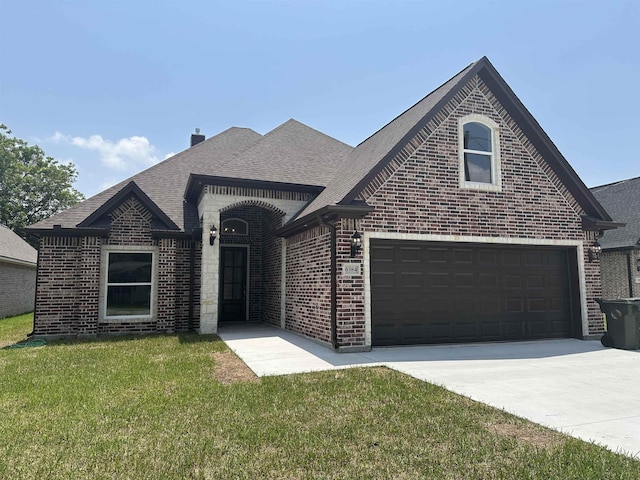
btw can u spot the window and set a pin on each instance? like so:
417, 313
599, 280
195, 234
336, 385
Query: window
128, 288
479, 153
234, 226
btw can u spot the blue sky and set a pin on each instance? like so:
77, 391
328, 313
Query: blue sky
114, 86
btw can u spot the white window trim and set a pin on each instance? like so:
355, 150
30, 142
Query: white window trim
104, 268
496, 174
246, 226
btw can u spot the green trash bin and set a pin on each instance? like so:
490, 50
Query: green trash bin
623, 323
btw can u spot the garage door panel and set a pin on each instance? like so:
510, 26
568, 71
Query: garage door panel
438, 280
436, 293
464, 256
463, 280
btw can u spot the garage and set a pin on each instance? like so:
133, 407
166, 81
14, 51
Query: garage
433, 292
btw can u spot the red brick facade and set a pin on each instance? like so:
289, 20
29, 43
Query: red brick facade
70, 275
417, 193
308, 284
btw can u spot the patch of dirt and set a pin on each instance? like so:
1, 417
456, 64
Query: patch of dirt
534, 435
230, 369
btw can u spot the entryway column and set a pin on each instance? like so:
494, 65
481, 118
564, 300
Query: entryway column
210, 273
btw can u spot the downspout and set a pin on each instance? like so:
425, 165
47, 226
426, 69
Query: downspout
192, 275
334, 282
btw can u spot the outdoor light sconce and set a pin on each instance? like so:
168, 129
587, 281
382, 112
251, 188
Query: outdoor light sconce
594, 252
356, 243
213, 232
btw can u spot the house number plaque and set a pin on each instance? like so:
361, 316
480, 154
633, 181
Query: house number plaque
351, 269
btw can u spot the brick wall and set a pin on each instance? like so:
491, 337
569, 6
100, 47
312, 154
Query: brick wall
182, 280
17, 288
58, 293
615, 274
69, 278
271, 268
419, 193
308, 284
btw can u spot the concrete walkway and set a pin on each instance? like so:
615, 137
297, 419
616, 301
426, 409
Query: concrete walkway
579, 388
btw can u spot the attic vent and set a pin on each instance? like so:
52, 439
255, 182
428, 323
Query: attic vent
196, 138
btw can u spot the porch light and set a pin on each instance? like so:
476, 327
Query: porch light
356, 243
594, 252
213, 232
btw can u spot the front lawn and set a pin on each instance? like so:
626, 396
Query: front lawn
183, 406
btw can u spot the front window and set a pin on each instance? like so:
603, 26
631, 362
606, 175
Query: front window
479, 158
129, 284
234, 226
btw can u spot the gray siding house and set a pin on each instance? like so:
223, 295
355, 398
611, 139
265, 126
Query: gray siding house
17, 274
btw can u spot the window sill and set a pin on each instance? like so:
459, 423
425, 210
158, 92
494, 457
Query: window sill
127, 319
484, 187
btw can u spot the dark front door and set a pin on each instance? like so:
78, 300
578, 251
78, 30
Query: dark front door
233, 284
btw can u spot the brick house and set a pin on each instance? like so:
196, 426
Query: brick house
17, 274
620, 257
458, 221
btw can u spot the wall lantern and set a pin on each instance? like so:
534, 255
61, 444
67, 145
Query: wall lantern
594, 252
356, 243
213, 232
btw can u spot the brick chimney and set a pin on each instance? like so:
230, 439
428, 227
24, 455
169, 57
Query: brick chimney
196, 138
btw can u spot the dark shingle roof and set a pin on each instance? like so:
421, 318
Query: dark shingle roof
12, 247
622, 202
292, 153
368, 154
165, 182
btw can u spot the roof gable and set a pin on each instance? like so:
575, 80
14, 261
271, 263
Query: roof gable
376, 152
131, 189
165, 182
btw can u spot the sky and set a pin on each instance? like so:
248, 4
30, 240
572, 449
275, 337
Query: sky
114, 86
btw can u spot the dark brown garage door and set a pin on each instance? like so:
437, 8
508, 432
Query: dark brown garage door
426, 292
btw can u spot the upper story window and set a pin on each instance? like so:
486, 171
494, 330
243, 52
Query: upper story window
234, 226
479, 153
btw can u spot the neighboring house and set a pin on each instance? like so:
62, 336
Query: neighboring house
18, 262
620, 257
458, 221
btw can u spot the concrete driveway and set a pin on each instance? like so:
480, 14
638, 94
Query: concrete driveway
577, 387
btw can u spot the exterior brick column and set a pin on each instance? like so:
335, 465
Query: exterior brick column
166, 285
89, 286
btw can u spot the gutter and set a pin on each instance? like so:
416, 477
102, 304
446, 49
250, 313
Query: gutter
320, 217
334, 282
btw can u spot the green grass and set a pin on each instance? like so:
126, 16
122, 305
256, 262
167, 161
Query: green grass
151, 408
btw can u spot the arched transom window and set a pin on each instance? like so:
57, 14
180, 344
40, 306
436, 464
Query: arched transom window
234, 226
479, 153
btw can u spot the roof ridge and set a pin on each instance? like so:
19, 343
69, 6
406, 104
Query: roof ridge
618, 182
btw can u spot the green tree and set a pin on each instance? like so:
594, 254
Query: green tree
32, 185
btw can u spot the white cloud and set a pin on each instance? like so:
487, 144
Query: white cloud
124, 154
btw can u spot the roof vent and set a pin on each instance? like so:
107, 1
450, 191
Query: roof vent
196, 138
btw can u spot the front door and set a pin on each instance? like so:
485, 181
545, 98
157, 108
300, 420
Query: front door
233, 284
